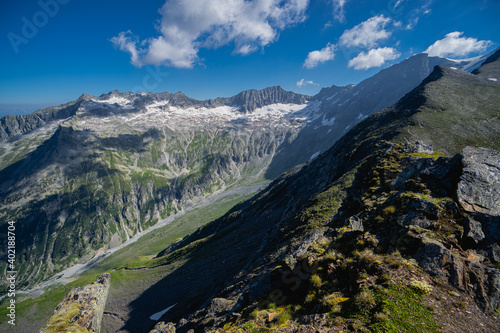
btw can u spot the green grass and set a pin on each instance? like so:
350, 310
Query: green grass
405, 311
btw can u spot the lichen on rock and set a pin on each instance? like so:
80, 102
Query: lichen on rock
479, 187
81, 309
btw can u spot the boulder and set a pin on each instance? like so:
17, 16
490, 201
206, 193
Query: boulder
479, 186
416, 218
473, 232
419, 147
81, 309
355, 224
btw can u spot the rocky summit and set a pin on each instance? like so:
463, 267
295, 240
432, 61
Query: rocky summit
388, 224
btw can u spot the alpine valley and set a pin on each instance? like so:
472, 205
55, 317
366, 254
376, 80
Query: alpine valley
378, 208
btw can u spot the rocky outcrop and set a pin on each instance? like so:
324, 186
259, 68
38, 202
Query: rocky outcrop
162, 327
479, 188
473, 232
10, 126
252, 99
81, 309
464, 273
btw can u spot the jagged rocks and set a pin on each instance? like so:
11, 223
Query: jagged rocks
466, 274
419, 147
479, 187
473, 232
81, 309
162, 327
416, 218
355, 224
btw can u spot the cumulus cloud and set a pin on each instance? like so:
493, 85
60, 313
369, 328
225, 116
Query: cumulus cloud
187, 26
303, 83
314, 58
455, 46
338, 10
367, 33
374, 58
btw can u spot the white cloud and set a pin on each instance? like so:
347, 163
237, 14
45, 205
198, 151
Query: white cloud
455, 46
367, 33
303, 83
338, 10
314, 58
396, 5
187, 26
374, 58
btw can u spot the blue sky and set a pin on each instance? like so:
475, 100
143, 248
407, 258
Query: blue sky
52, 51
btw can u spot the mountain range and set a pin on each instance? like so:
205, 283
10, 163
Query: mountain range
359, 201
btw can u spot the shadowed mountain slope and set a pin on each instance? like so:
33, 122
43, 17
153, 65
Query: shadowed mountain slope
326, 239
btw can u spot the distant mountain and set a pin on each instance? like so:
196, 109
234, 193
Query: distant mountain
246, 102
343, 107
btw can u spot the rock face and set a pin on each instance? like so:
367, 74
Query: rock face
479, 188
473, 232
252, 99
81, 309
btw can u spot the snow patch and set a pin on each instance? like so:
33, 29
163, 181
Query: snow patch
326, 122
158, 315
361, 116
329, 98
492, 79
313, 156
121, 101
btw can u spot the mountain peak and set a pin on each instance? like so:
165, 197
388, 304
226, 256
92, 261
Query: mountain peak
250, 100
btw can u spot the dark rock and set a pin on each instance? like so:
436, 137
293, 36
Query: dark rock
479, 187
423, 205
494, 252
250, 100
468, 275
473, 232
432, 257
219, 305
416, 218
441, 175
